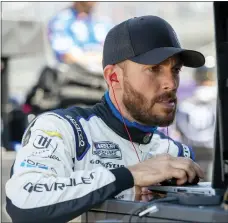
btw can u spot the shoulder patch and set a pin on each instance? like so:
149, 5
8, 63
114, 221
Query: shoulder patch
82, 144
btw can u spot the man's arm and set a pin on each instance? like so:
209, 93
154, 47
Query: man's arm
172, 147
44, 187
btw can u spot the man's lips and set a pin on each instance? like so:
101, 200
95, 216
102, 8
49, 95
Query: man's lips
170, 103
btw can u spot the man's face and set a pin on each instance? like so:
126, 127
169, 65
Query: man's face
149, 91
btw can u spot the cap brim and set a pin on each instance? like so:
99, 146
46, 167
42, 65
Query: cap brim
190, 58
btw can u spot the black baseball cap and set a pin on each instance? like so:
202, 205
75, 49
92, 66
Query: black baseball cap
146, 40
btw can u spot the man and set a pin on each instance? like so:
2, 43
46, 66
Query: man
195, 118
74, 159
77, 38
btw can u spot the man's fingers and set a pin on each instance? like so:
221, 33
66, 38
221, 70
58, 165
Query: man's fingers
144, 190
180, 175
198, 170
146, 198
181, 181
192, 168
163, 167
187, 166
137, 190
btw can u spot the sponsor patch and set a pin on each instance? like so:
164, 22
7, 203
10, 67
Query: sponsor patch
42, 152
108, 165
44, 142
28, 163
31, 187
107, 150
45, 154
186, 151
82, 144
54, 157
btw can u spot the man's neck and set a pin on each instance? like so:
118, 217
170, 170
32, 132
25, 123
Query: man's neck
120, 107
119, 110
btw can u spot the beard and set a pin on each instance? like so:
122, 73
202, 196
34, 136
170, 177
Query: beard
142, 110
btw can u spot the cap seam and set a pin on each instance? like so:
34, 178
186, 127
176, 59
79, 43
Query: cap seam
174, 33
130, 36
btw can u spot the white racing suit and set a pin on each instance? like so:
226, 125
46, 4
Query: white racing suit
75, 158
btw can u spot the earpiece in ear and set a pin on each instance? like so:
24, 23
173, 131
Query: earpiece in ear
113, 77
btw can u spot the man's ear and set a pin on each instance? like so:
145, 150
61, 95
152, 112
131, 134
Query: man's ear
108, 72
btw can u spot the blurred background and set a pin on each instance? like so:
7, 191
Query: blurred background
51, 57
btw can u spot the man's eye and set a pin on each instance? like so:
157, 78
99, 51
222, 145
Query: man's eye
176, 70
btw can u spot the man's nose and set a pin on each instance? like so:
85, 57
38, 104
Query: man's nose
170, 83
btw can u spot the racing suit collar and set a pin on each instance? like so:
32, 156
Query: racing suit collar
112, 117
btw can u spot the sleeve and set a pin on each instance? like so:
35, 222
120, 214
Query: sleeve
183, 150
60, 35
186, 151
44, 187
165, 144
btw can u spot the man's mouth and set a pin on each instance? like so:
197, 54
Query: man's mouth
169, 103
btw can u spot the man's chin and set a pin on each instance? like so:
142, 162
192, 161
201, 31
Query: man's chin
165, 121
158, 121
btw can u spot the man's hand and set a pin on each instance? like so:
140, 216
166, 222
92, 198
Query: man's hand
164, 167
144, 195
